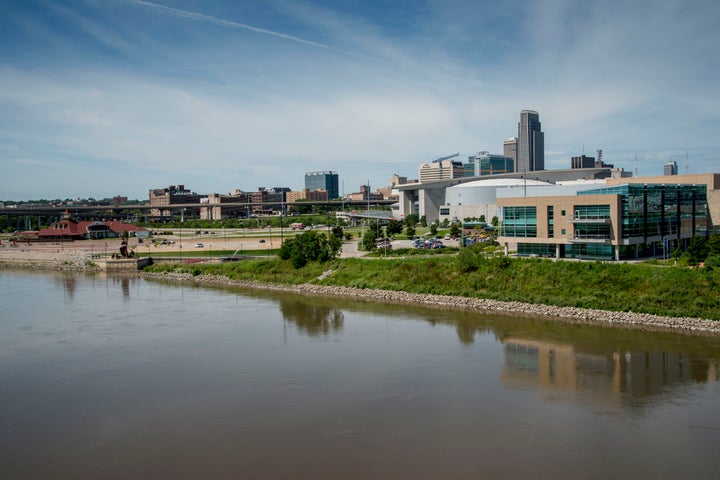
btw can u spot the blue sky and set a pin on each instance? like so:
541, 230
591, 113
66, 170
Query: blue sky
113, 97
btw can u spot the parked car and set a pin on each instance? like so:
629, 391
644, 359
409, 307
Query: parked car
199, 245
383, 243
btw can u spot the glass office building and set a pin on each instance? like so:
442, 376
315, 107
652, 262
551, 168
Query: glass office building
328, 181
485, 163
620, 222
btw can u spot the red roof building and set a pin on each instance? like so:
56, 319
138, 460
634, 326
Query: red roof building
69, 229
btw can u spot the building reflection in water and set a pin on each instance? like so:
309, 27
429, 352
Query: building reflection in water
69, 285
622, 375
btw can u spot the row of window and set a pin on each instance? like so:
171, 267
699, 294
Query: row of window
592, 250
520, 222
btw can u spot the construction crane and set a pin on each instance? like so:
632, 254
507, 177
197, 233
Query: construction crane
438, 160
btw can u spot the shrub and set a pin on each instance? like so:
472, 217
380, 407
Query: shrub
712, 262
310, 246
467, 260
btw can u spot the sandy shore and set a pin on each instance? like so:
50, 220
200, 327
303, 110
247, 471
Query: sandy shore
79, 256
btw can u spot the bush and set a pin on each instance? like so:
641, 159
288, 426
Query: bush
467, 260
308, 247
712, 262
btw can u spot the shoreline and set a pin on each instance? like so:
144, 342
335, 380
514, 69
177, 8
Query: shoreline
687, 325
80, 261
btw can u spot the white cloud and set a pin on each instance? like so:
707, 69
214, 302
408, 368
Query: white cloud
241, 117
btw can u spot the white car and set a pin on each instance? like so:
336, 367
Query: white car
199, 245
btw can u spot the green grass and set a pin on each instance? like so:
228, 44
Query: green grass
639, 288
211, 253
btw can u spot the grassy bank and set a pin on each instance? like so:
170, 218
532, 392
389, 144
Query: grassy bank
638, 288
210, 253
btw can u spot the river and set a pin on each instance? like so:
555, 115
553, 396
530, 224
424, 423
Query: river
122, 377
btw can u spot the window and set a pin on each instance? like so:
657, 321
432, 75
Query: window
592, 212
551, 221
520, 221
539, 249
444, 211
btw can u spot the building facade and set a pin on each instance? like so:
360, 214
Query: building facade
441, 170
616, 222
510, 149
582, 161
328, 181
670, 168
484, 163
365, 193
305, 194
426, 199
172, 195
531, 143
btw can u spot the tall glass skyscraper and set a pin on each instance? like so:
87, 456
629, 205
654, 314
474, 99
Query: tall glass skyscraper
531, 143
328, 181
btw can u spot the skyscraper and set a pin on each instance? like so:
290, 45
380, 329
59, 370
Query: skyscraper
670, 168
328, 181
510, 149
531, 143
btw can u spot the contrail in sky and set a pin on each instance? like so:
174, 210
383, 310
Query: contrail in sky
226, 23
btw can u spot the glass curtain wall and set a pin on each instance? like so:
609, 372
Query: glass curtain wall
520, 222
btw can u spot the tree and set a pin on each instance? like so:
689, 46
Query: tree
394, 227
697, 250
337, 231
494, 221
369, 240
310, 246
423, 221
434, 228
482, 218
410, 231
454, 230
445, 223
713, 244
412, 220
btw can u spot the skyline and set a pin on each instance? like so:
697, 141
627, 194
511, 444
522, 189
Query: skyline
118, 97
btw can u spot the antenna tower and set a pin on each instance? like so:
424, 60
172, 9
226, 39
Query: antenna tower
636, 166
687, 166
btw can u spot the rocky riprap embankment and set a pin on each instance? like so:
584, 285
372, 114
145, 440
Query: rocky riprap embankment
75, 261
570, 314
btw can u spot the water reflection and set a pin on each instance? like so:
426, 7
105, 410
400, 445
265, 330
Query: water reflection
151, 380
314, 319
627, 367
623, 377
624, 367
69, 283
124, 282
